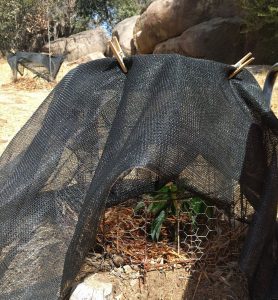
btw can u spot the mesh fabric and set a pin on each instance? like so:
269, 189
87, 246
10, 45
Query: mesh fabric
103, 136
44, 66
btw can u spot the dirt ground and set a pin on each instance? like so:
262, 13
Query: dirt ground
175, 284
18, 101
219, 281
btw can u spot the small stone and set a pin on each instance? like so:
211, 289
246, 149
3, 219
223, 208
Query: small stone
116, 272
127, 269
135, 267
118, 260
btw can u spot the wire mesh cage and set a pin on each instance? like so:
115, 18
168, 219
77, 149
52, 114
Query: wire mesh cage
160, 231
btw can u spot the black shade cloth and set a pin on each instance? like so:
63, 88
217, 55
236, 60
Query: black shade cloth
44, 66
102, 136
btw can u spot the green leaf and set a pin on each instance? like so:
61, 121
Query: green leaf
156, 207
197, 206
157, 224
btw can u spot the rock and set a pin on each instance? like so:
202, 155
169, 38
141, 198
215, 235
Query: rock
118, 260
127, 269
213, 40
263, 43
92, 289
87, 58
165, 19
124, 33
80, 44
94, 56
117, 272
136, 268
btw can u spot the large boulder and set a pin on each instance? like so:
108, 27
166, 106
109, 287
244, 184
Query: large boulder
80, 44
87, 58
165, 19
213, 40
124, 33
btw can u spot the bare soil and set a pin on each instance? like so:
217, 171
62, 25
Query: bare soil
176, 284
19, 100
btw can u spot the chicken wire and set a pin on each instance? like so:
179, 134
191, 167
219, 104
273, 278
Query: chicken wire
185, 238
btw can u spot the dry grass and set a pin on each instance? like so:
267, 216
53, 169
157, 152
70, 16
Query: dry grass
29, 84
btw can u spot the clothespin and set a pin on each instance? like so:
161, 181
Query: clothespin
246, 60
118, 52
